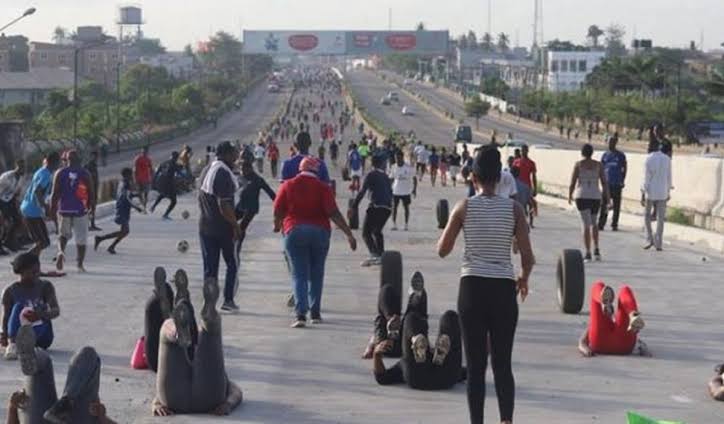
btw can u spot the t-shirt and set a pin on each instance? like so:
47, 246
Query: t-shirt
123, 203
273, 152
506, 186
217, 185
259, 152
42, 180
73, 185
434, 159
527, 168
363, 150
39, 295
249, 196
355, 160
378, 184
305, 200
290, 168
614, 164
422, 156
402, 179
143, 169
9, 182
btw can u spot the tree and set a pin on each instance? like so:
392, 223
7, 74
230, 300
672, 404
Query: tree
472, 39
476, 108
503, 42
149, 46
615, 46
715, 85
487, 42
420, 26
463, 41
60, 35
189, 51
495, 87
223, 55
594, 33
188, 101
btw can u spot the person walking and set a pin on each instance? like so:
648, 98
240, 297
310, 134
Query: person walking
302, 210
92, 167
404, 185
614, 164
587, 174
72, 198
259, 154
273, 155
165, 181
143, 173
378, 212
218, 229
34, 207
487, 303
655, 192
528, 174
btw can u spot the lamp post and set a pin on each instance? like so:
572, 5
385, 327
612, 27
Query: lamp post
24, 15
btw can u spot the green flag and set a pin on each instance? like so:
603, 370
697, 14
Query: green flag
634, 418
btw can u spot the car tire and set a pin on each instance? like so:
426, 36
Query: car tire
571, 279
443, 213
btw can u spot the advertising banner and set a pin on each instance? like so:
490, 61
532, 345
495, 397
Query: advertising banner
294, 42
386, 42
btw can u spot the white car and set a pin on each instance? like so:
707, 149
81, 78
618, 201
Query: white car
407, 82
408, 111
392, 95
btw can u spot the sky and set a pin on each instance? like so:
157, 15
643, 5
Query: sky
180, 22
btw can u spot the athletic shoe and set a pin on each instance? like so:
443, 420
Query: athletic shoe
229, 306
659, 249
597, 255
614, 229
607, 298
95, 228
59, 260
587, 258
182, 319
111, 250
60, 412
25, 344
11, 352
181, 280
419, 348
166, 218
648, 245
417, 283
635, 322
394, 325
300, 322
290, 301
159, 285
316, 319
442, 348
394, 227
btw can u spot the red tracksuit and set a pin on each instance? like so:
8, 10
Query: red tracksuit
607, 336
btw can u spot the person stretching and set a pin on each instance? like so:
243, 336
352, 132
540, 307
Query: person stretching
613, 331
379, 210
404, 184
124, 203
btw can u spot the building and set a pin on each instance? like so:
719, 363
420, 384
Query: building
32, 87
13, 53
4, 59
177, 64
49, 55
567, 70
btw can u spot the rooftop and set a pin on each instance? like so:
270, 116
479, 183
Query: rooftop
37, 79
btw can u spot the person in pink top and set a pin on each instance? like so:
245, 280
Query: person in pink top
143, 173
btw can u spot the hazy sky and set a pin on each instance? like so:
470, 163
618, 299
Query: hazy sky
179, 22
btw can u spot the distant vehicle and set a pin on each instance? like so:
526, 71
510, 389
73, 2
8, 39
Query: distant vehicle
408, 111
418, 77
272, 88
385, 101
393, 96
464, 134
407, 82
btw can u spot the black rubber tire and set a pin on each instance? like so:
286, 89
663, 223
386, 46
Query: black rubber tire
443, 213
352, 215
571, 278
391, 271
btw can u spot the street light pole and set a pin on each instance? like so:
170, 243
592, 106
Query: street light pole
24, 15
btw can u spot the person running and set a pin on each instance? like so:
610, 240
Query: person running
404, 184
290, 167
72, 197
165, 181
248, 206
10, 186
218, 229
259, 154
143, 172
30, 300
434, 163
421, 156
34, 207
273, 155
587, 174
443, 167
613, 331
124, 203
354, 164
199, 385
614, 164
334, 152
364, 152
487, 297
528, 174
92, 167
454, 160
378, 212
655, 192
302, 210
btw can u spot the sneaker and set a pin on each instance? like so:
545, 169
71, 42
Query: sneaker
394, 325
95, 228
648, 245
159, 285
181, 316
111, 251
317, 319
25, 348
60, 412
290, 301
394, 227
300, 322
597, 255
635, 322
442, 348
229, 306
419, 348
166, 218
607, 298
11, 352
614, 228
587, 258
417, 283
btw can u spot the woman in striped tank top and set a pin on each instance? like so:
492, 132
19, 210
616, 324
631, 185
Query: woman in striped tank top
487, 302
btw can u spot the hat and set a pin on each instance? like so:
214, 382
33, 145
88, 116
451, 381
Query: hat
309, 164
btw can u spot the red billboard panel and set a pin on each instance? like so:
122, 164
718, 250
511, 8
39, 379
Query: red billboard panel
401, 41
303, 42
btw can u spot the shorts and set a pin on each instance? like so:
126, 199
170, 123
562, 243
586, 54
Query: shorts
37, 230
421, 166
588, 209
406, 200
357, 173
74, 226
453, 171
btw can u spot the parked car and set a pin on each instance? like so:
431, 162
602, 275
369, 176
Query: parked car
464, 134
393, 96
408, 111
385, 101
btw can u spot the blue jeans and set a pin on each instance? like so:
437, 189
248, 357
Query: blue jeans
307, 247
211, 250
43, 332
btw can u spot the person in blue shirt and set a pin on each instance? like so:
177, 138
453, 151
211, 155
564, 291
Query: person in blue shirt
124, 203
354, 164
34, 207
379, 210
614, 165
434, 162
290, 167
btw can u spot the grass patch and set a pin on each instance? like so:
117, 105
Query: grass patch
678, 216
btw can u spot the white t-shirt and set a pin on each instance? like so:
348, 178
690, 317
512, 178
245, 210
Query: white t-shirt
402, 179
8, 185
420, 153
259, 152
506, 187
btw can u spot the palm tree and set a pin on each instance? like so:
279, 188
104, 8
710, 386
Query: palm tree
463, 41
594, 33
487, 42
60, 34
472, 39
420, 26
503, 42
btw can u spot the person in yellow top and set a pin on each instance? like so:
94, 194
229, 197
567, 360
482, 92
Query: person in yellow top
363, 151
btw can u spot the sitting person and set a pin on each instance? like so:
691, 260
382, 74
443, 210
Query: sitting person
38, 402
613, 335
388, 321
30, 300
420, 367
200, 385
716, 384
158, 310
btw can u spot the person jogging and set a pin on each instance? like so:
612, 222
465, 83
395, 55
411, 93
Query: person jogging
614, 164
124, 203
273, 155
143, 172
354, 164
334, 152
34, 207
165, 181
404, 185
378, 184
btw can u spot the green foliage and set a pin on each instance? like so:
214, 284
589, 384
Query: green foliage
223, 55
495, 87
476, 108
615, 46
401, 63
678, 216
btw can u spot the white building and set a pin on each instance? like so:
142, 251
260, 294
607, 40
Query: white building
177, 64
567, 70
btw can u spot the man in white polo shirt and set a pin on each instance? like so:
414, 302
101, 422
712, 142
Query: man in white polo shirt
655, 192
404, 184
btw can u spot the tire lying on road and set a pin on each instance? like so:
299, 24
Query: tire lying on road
571, 281
352, 215
443, 213
391, 272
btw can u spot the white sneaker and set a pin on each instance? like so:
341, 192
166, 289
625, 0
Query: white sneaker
11, 352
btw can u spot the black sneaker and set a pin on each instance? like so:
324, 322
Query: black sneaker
159, 284
587, 258
300, 322
230, 306
597, 255
316, 319
60, 412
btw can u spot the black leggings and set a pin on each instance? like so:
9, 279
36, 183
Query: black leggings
375, 221
153, 320
171, 195
389, 304
488, 306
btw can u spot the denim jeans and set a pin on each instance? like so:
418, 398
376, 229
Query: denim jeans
307, 247
43, 332
211, 250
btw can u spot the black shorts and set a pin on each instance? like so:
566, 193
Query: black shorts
406, 200
37, 230
421, 167
593, 205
